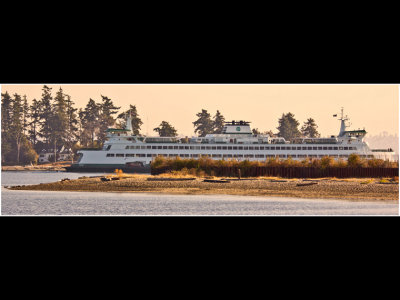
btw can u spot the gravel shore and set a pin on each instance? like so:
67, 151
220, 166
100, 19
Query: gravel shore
345, 189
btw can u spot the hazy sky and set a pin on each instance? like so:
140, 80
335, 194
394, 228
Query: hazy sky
375, 107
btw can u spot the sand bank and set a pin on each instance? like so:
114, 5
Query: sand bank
349, 189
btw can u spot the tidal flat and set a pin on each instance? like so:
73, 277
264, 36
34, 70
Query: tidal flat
324, 188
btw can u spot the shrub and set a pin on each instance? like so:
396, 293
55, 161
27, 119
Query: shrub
158, 162
327, 162
354, 161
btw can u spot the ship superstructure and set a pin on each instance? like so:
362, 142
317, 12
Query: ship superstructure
129, 152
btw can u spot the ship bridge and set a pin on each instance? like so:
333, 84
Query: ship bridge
237, 127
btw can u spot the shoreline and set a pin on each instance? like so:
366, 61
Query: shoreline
45, 167
332, 189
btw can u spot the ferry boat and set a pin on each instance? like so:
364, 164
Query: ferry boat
123, 150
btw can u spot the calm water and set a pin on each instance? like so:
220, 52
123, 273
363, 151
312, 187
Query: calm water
97, 203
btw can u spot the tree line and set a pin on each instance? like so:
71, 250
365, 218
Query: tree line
53, 121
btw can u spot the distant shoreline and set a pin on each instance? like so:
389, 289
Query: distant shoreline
32, 168
327, 188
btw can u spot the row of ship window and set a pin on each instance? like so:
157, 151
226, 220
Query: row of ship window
240, 148
227, 155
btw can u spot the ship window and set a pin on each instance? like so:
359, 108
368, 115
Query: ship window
340, 148
208, 148
309, 148
266, 148
273, 148
329, 148
110, 155
245, 148
195, 155
170, 147
148, 155
335, 148
298, 148
153, 147
229, 148
148, 147
251, 148
303, 148
278, 148
129, 155
319, 148
142, 147
218, 147
260, 155
227, 155
159, 147
119, 155
240, 155
181, 147
283, 148
176, 147
186, 155
256, 148
165, 147
346, 148
314, 148
203, 148
191, 147
182, 155
197, 147
325, 148
214, 148
261, 148
127, 147
235, 148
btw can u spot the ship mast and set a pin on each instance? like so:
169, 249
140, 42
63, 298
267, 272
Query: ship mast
343, 124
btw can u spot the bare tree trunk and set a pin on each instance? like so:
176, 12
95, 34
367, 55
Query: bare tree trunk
18, 142
55, 151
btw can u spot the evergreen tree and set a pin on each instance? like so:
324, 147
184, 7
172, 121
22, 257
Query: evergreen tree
165, 129
25, 111
46, 116
106, 120
59, 122
16, 128
203, 125
90, 123
6, 115
219, 122
136, 121
72, 131
35, 121
309, 129
288, 127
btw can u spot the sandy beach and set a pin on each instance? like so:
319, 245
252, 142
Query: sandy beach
325, 188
